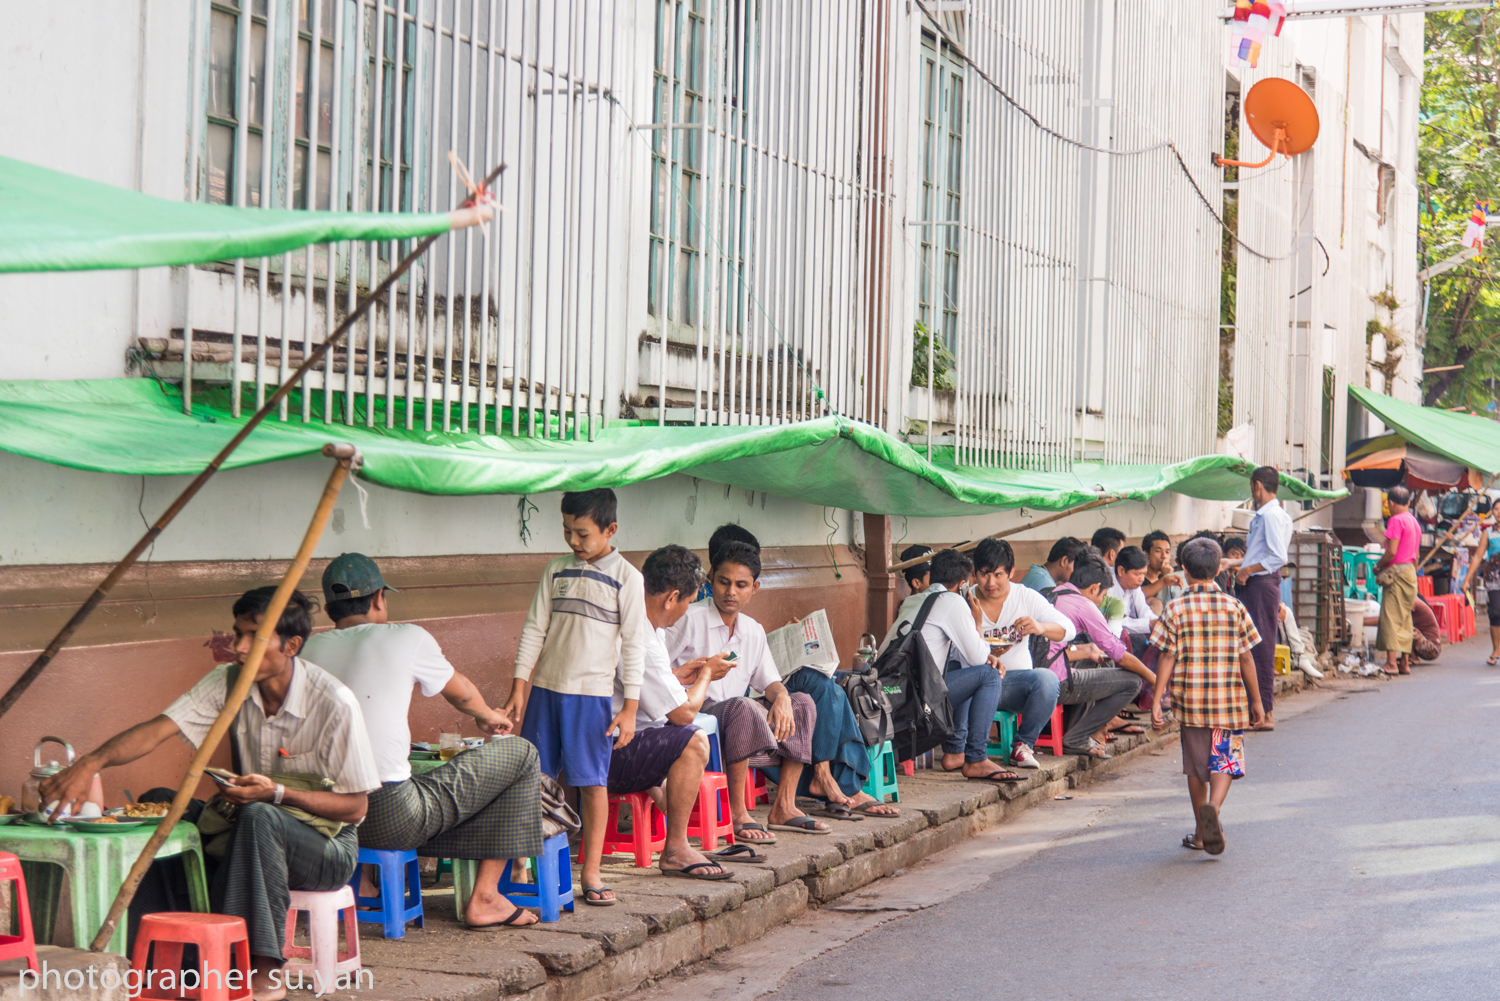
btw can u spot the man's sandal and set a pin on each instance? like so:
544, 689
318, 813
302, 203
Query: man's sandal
1188, 842
599, 892
738, 852
690, 871
999, 775
509, 921
739, 828
800, 825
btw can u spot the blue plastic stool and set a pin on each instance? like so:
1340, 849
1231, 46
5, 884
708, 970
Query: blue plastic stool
710, 725
1007, 725
882, 778
397, 870
552, 893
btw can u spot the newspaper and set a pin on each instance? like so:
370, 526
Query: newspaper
808, 643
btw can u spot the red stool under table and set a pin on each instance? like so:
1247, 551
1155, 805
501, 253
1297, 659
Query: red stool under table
223, 956
648, 829
755, 788
22, 946
1052, 735
710, 819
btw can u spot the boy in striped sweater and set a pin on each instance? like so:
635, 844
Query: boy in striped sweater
588, 618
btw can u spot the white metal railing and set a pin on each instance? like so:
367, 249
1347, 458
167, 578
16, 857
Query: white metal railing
723, 212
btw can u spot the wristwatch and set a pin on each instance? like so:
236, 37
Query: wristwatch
280, 792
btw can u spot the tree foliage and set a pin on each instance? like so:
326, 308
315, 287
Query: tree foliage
1459, 163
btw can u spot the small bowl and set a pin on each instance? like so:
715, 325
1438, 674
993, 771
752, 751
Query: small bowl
10, 818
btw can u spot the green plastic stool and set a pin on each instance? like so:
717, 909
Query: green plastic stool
96, 866
1007, 724
882, 780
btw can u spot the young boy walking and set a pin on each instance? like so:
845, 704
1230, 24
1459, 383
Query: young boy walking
588, 617
1205, 638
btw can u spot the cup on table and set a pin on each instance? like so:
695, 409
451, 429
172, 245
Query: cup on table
449, 744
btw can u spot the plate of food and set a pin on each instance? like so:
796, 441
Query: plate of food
1003, 638
106, 825
139, 811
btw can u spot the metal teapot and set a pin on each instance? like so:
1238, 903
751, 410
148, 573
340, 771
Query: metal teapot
31, 796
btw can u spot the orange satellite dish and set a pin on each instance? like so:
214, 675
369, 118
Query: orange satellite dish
1282, 116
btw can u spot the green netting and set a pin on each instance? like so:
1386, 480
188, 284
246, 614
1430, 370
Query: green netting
51, 221
136, 427
1473, 441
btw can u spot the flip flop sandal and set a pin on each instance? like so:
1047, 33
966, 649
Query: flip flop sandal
509, 921
864, 808
799, 825
690, 871
1213, 834
1187, 842
1492, 661
1131, 730
755, 841
997, 776
738, 852
834, 811
601, 901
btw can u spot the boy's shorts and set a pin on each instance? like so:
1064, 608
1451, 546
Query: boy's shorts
568, 731
1212, 751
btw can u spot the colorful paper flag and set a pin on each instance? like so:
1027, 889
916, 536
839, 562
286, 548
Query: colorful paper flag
1478, 220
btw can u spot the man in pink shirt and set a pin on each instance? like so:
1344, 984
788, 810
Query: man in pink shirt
1403, 536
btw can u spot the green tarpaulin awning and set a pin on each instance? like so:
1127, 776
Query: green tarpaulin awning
51, 221
1464, 438
136, 427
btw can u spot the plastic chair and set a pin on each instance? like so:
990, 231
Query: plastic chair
322, 960
755, 788
400, 898
648, 829
710, 725
223, 955
882, 780
552, 893
23, 945
710, 819
1006, 723
1052, 735
1424, 586
1283, 661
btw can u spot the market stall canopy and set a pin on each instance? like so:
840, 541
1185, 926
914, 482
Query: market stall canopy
1388, 459
136, 427
1463, 438
51, 221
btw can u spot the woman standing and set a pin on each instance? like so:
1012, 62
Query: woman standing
1486, 566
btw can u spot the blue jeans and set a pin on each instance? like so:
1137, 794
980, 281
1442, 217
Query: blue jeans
973, 692
1033, 694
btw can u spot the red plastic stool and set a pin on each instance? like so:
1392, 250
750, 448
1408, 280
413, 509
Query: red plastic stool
223, 956
755, 788
710, 818
22, 945
1052, 735
648, 829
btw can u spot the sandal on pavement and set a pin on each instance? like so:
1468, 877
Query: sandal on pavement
800, 825
1130, 729
1213, 834
834, 811
998, 775
740, 828
1492, 661
599, 892
739, 852
1092, 751
691, 871
1188, 842
865, 808
509, 921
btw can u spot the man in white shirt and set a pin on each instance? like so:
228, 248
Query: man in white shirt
481, 805
973, 675
1012, 613
1130, 574
297, 718
773, 730
667, 757
1259, 578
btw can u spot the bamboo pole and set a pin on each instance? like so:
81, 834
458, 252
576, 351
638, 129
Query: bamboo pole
1321, 507
468, 214
348, 457
966, 546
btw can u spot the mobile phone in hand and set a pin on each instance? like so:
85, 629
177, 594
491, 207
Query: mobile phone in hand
222, 776
731, 656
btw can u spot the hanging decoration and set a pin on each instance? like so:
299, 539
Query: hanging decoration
1253, 20
1478, 220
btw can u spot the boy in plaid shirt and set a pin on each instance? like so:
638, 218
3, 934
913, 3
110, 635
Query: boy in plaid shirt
1205, 638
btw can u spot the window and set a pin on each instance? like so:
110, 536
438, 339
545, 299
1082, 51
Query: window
227, 18
942, 135
676, 172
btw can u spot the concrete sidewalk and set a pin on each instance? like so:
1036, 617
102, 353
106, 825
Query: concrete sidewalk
664, 923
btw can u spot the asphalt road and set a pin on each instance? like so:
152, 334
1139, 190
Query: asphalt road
1363, 862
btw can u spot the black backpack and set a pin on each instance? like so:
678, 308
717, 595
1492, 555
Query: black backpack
871, 707
921, 715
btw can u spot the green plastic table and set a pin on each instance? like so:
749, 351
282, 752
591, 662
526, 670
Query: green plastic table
421, 766
96, 865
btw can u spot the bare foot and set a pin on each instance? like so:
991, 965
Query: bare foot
952, 762
266, 981
368, 887
684, 857
818, 788
491, 907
